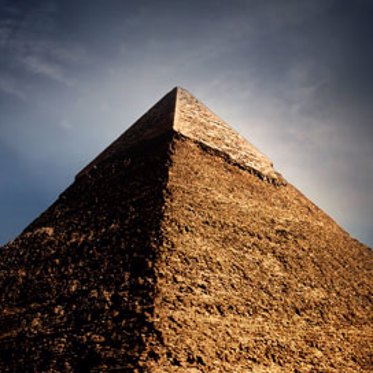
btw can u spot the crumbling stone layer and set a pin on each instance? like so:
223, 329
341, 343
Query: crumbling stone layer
172, 253
253, 277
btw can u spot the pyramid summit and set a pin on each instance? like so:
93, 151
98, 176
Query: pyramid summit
180, 249
181, 113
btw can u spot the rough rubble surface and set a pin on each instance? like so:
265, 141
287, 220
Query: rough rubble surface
171, 254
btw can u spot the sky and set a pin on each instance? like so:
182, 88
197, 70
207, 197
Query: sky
293, 77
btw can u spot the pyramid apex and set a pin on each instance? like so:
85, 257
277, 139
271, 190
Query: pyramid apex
182, 113
181, 90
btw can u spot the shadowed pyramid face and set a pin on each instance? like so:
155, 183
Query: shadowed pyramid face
181, 249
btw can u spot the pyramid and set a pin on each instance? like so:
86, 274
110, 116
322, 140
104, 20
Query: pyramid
181, 249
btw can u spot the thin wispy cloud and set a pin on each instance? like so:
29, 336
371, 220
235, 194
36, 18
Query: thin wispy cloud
10, 86
29, 40
38, 65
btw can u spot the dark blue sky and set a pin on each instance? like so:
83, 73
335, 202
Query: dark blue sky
294, 77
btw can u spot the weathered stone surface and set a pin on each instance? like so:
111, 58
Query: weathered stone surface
195, 121
180, 250
254, 277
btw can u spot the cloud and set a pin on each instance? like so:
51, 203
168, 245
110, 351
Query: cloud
10, 86
30, 43
66, 124
39, 65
